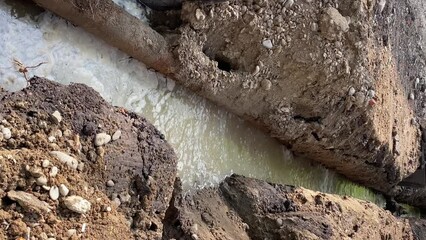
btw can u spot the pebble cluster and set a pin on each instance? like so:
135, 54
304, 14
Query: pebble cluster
49, 177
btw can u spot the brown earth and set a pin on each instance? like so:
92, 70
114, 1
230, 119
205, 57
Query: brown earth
245, 208
140, 204
323, 77
140, 163
341, 82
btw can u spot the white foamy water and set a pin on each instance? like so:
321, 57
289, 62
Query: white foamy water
210, 143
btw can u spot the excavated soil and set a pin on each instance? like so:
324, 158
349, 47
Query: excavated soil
329, 79
245, 208
126, 187
140, 164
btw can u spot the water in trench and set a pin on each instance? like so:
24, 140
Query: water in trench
210, 143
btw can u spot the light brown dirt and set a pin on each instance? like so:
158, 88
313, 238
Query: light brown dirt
299, 90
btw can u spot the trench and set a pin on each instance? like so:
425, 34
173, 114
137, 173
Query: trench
210, 143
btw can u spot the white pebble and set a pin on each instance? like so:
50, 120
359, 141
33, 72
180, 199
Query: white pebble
77, 204
51, 139
45, 163
102, 139
67, 133
116, 135
110, 183
65, 158
7, 134
63, 190
45, 187
83, 227
412, 97
53, 171
56, 116
289, 3
71, 232
351, 91
80, 167
108, 209
267, 43
41, 181
54, 193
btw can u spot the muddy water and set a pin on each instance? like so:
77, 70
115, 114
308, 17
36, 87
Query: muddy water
210, 142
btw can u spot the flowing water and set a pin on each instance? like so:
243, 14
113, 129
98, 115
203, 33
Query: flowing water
209, 142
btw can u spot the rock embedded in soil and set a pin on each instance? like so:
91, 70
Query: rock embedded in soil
63, 190
54, 193
116, 135
7, 134
102, 139
77, 204
65, 158
56, 117
28, 201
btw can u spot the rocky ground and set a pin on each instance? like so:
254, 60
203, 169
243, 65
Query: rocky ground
74, 167
340, 82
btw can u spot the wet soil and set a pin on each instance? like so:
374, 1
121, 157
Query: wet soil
334, 81
130, 182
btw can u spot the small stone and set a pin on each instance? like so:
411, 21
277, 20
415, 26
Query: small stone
45, 187
65, 158
43, 236
266, 84
194, 236
41, 180
267, 43
63, 190
289, 3
7, 134
42, 124
314, 27
54, 193
199, 14
108, 209
412, 97
28, 201
56, 117
116, 135
116, 201
71, 232
371, 93
51, 139
45, 163
67, 133
53, 171
80, 167
351, 91
110, 183
102, 139
125, 197
381, 5
77, 204
279, 222
83, 227
34, 171
256, 70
